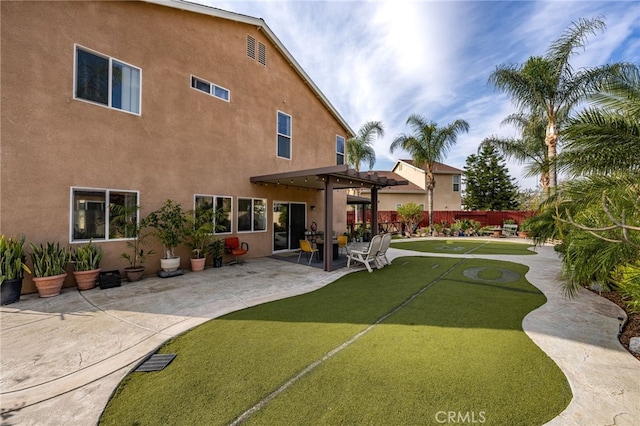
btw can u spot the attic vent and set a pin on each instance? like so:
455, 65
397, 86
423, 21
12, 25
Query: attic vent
251, 47
262, 53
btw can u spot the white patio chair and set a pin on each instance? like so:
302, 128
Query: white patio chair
381, 256
366, 256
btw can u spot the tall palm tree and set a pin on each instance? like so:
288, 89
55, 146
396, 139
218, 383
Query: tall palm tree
360, 147
550, 83
530, 148
428, 144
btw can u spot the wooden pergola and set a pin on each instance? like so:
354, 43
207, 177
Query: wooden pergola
328, 179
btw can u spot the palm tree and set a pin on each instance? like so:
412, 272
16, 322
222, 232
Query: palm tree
429, 144
360, 147
551, 84
530, 148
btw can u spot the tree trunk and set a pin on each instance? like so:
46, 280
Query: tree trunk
551, 139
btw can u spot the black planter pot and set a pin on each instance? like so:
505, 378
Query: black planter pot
11, 290
217, 262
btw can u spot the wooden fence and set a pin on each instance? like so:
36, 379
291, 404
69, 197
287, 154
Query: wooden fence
389, 222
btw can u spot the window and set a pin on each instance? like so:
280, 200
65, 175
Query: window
340, 150
398, 205
284, 135
102, 214
107, 81
252, 214
210, 88
221, 218
456, 183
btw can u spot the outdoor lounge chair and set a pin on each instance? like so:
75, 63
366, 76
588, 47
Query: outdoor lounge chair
381, 256
366, 256
305, 247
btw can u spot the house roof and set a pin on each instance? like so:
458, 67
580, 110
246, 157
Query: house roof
408, 188
342, 177
261, 25
438, 168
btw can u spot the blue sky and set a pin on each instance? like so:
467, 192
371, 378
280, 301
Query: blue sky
385, 60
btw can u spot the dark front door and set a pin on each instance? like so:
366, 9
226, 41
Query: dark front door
288, 225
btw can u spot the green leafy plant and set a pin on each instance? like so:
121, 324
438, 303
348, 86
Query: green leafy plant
49, 259
627, 281
410, 215
169, 224
12, 264
87, 258
127, 219
199, 230
217, 248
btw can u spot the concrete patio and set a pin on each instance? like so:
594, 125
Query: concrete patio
67, 354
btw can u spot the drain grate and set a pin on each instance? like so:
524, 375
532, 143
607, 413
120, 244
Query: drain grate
155, 362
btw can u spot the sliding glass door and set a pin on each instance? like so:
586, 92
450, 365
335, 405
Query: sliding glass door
289, 220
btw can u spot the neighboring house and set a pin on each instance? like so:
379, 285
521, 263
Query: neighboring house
447, 194
134, 103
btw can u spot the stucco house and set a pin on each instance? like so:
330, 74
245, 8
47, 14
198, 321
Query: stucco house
446, 195
136, 102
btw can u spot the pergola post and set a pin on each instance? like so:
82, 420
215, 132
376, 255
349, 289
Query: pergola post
374, 211
328, 224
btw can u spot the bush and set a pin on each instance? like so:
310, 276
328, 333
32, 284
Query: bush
627, 281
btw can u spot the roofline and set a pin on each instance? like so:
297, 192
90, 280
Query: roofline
423, 171
260, 24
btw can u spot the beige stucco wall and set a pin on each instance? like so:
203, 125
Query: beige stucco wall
443, 196
183, 143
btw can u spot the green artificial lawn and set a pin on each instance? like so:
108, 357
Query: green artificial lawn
413, 342
459, 246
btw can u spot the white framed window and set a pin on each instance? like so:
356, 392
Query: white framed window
252, 214
106, 81
102, 214
456, 183
219, 208
340, 147
210, 88
284, 135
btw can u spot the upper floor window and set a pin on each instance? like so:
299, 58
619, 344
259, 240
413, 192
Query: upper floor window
107, 81
284, 135
210, 88
340, 145
456, 183
252, 214
215, 208
103, 214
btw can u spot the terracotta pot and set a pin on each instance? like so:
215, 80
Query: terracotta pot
86, 280
11, 290
197, 265
49, 286
523, 234
134, 274
170, 265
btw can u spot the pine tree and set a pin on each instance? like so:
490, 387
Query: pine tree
488, 185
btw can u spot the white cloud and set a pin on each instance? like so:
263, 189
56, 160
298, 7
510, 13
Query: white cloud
384, 60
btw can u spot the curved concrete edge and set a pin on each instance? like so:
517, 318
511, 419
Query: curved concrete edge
580, 335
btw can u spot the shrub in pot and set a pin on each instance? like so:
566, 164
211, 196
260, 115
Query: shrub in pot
136, 243
49, 267
86, 265
198, 235
12, 268
217, 252
168, 223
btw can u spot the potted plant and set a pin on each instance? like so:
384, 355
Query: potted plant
169, 224
12, 268
49, 267
132, 229
198, 236
217, 252
524, 228
86, 265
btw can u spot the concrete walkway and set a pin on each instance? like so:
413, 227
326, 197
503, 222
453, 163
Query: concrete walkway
67, 354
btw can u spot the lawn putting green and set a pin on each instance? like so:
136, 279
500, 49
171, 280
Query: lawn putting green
399, 346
